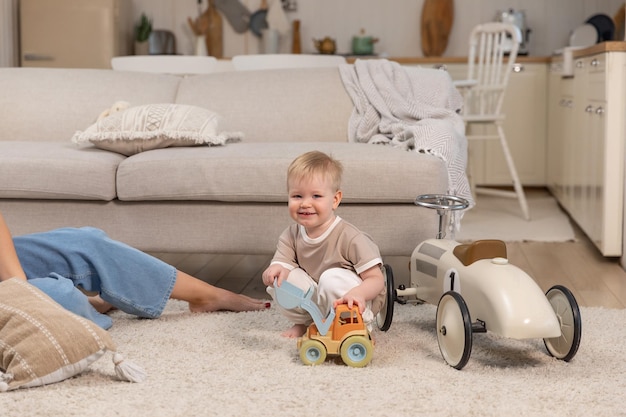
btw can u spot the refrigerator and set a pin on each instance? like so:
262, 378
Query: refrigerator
74, 34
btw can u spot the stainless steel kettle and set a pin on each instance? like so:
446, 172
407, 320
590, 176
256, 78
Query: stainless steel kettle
161, 42
518, 19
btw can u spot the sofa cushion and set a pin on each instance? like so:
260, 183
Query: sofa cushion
50, 104
256, 172
155, 126
54, 170
283, 105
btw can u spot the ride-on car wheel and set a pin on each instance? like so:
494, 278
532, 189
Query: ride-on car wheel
454, 329
357, 351
385, 315
312, 352
567, 312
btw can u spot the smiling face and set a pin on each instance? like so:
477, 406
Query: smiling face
312, 203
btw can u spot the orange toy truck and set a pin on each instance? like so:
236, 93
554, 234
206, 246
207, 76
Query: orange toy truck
342, 332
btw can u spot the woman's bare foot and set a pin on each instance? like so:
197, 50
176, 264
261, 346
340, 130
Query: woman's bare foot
294, 331
99, 304
204, 297
221, 299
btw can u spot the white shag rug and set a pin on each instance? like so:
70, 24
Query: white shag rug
501, 218
236, 364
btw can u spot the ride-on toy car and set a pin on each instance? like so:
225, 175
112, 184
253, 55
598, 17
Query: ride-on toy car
342, 332
477, 290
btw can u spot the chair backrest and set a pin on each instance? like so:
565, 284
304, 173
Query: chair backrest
273, 61
166, 64
493, 50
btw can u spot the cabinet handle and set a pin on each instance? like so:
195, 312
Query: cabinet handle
37, 57
600, 111
595, 62
589, 109
579, 64
518, 67
443, 67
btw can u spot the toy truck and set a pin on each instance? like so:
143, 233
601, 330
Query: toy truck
342, 332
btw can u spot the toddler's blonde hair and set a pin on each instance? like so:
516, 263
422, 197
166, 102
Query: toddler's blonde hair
315, 163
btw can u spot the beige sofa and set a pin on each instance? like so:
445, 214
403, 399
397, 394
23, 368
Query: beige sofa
218, 199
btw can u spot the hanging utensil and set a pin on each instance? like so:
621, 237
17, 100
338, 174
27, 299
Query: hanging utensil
258, 19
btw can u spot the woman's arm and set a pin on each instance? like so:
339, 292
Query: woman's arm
9, 263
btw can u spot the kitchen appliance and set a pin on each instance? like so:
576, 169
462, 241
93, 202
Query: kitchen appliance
74, 34
518, 19
161, 42
362, 44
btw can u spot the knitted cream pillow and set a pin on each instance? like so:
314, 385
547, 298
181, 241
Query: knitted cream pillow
154, 126
42, 343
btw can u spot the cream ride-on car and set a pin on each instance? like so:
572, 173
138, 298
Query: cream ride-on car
477, 290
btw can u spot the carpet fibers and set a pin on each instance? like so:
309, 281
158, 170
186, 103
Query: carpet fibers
501, 218
236, 364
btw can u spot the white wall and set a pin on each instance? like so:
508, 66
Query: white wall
395, 22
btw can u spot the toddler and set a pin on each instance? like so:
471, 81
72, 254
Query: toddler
321, 250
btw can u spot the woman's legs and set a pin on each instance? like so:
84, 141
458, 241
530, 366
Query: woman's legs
63, 291
124, 277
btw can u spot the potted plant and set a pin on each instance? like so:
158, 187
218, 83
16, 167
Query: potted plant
142, 33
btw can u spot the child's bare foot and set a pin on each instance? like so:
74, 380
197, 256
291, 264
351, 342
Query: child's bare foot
99, 304
220, 299
294, 331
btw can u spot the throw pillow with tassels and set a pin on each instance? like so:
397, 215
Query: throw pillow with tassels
42, 343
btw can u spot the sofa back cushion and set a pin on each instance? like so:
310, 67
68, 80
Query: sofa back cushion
51, 104
284, 105
257, 172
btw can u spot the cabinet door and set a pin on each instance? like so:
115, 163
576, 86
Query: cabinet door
525, 128
589, 137
73, 34
557, 104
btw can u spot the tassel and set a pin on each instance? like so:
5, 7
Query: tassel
127, 370
4, 381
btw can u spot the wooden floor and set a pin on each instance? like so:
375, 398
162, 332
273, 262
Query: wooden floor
594, 280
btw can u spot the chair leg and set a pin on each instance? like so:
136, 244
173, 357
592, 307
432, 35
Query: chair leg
517, 185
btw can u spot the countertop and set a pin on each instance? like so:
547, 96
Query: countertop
460, 59
611, 46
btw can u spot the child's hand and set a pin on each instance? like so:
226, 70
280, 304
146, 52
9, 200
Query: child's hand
274, 273
351, 301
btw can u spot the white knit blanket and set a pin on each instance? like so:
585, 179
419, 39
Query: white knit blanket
410, 107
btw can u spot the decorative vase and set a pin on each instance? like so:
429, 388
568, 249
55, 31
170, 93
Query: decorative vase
296, 45
201, 49
142, 48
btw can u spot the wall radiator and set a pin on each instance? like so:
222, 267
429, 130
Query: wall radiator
9, 45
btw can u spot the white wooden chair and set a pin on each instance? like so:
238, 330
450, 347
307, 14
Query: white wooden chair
273, 61
166, 64
483, 91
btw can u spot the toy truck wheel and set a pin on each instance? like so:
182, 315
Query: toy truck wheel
567, 312
385, 315
312, 352
454, 329
357, 351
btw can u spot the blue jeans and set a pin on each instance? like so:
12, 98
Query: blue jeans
59, 261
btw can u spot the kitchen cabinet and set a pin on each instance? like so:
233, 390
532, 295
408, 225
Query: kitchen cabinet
525, 127
586, 134
73, 34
